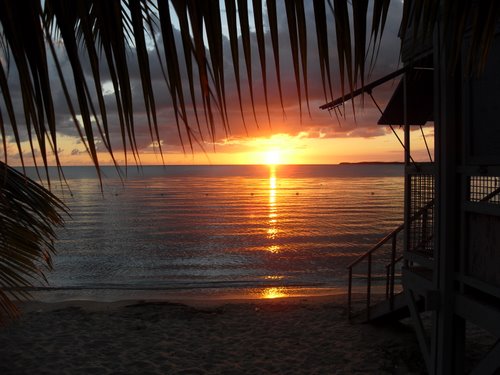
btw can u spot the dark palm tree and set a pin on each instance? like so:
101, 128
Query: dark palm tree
100, 33
28, 215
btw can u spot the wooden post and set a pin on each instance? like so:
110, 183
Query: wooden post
424, 230
449, 328
407, 182
387, 280
393, 270
349, 294
369, 287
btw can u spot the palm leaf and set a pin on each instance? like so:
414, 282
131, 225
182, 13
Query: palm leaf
294, 44
196, 21
359, 9
12, 117
233, 41
67, 18
484, 25
323, 55
28, 215
344, 51
212, 22
273, 29
379, 17
245, 40
28, 52
138, 25
302, 33
259, 32
172, 64
111, 28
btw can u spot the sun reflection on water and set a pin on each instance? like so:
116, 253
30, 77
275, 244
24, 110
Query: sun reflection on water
273, 249
272, 231
270, 293
274, 277
272, 179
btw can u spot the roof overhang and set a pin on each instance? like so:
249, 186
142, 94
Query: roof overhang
419, 96
419, 99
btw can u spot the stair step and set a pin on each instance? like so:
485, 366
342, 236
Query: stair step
383, 312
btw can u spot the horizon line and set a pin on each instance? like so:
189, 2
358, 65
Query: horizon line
211, 165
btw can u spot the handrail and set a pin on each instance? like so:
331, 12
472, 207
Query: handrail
391, 234
390, 274
390, 267
397, 260
491, 195
379, 244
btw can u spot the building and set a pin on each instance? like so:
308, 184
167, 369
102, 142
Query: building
444, 261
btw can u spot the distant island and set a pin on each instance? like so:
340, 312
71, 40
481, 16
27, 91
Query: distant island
371, 163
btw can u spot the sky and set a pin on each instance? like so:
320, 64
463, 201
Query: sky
318, 138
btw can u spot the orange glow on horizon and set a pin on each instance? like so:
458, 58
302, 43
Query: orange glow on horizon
277, 149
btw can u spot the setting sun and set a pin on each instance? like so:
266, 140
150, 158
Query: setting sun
272, 157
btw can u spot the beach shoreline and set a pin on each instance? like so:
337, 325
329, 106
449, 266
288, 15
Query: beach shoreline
303, 335
95, 301
196, 302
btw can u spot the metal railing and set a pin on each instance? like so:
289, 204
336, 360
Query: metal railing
389, 260
390, 270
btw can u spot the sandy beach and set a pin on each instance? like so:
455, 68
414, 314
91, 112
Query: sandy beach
280, 336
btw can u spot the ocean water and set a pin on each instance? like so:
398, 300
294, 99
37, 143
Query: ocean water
220, 231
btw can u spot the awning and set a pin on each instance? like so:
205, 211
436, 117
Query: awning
419, 91
419, 103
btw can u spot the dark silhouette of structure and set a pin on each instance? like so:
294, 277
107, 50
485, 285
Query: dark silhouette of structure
444, 260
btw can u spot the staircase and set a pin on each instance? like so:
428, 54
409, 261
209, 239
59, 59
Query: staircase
375, 292
380, 297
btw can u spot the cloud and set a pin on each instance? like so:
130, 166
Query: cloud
320, 124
